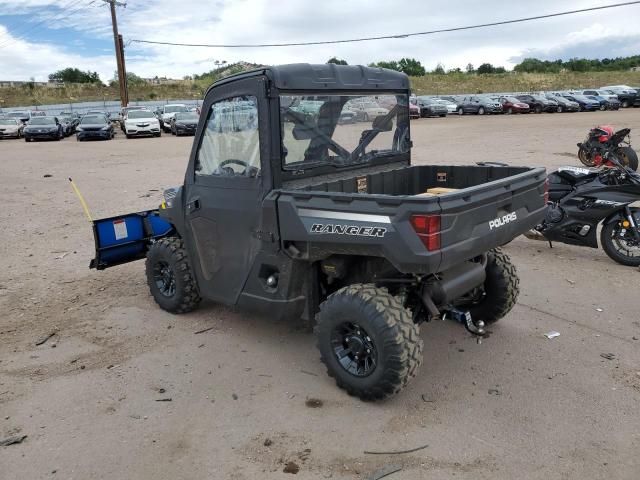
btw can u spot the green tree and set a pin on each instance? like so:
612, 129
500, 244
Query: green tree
439, 70
485, 68
411, 67
390, 65
133, 80
469, 68
74, 75
337, 61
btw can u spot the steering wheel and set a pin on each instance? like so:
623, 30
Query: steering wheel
249, 170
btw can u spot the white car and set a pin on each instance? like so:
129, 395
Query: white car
451, 107
10, 127
167, 112
601, 93
365, 109
141, 122
620, 89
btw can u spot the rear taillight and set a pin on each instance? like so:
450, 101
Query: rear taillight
428, 229
546, 191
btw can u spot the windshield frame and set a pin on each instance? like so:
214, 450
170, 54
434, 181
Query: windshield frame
104, 122
38, 121
300, 169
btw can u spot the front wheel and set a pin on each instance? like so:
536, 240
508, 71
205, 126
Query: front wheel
618, 242
169, 276
559, 109
481, 111
538, 109
625, 104
460, 111
499, 292
628, 157
368, 341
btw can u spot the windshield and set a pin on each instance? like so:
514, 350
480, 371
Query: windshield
325, 135
93, 119
7, 121
17, 114
511, 99
139, 114
187, 116
42, 121
175, 108
581, 97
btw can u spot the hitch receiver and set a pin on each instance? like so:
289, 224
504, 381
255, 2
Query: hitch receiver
464, 317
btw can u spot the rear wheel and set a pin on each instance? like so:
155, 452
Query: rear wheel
625, 104
368, 341
619, 244
460, 111
170, 277
628, 157
584, 157
560, 109
538, 109
500, 290
509, 111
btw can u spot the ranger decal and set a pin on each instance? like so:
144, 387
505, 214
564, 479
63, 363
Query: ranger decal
348, 230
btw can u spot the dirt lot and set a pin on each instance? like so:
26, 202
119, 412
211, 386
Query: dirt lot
516, 406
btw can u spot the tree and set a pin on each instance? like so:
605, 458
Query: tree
469, 68
411, 67
485, 68
337, 61
390, 65
132, 80
439, 70
74, 75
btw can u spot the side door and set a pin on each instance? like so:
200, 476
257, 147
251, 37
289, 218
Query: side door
224, 187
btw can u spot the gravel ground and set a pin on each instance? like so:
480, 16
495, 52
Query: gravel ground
237, 397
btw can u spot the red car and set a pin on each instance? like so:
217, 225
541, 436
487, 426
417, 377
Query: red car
414, 110
513, 105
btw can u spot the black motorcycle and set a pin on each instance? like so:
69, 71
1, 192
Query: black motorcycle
580, 199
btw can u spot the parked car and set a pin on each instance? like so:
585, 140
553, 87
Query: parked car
43, 128
429, 107
586, 104
601, 93
140, 122
166, 112
22, 115
414, 110
538, 103
10, 128
125, 110
366, 109
99, 112
479, 104
452, 107
184, 123
564, 104
96, 127
349, 116
625, 93
605, 103
513, 105
68, 125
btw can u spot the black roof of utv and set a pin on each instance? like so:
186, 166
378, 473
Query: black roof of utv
305, 76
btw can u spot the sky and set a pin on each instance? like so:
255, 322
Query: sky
38, 37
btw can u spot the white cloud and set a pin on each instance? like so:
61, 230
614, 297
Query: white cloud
265, 21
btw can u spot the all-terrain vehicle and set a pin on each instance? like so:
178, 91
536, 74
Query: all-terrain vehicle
309, 217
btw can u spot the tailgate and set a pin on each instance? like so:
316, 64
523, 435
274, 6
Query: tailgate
126, 238
477, 219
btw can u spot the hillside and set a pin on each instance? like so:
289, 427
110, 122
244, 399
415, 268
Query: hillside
428, 84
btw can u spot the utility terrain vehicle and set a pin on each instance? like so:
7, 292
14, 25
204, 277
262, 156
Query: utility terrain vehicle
305, 216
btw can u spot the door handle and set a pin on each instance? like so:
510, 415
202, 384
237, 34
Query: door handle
193, 206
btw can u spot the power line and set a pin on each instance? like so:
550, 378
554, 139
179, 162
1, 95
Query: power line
21, 27
386, 37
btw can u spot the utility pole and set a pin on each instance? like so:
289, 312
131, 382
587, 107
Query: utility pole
124, 71
122, 79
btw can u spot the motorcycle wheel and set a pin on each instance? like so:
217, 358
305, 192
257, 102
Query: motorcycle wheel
629, 157
585, 158
619, 247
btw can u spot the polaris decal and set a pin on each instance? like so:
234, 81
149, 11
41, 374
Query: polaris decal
502, 221
348, 230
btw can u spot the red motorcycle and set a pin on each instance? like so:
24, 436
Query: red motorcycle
602, 139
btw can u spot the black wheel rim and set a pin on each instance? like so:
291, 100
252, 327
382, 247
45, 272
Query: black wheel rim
354, 349
625, 243
164, 279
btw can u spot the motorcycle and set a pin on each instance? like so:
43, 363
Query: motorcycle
602, 139
580, 199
